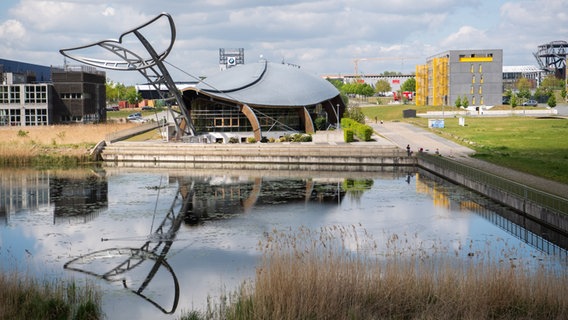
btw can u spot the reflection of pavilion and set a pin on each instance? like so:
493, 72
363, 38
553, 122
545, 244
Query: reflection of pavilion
77, 196
219, 196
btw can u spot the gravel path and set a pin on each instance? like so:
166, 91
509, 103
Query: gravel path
403, 134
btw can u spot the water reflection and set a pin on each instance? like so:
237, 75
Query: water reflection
117, 264
516, 223
76, 196
170, 236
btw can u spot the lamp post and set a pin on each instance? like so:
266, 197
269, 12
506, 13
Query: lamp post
337, 115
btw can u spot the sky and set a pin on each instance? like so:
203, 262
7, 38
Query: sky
323, 37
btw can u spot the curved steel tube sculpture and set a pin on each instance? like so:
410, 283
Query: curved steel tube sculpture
152, 68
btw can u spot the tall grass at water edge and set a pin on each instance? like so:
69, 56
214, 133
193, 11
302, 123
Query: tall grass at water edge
59, 145
23, 297
340, 273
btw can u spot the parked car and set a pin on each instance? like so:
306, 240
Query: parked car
112, 108
137, 116
146, 108
532, 103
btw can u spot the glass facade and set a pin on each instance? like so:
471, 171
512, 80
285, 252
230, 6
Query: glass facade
24, 105
215, 117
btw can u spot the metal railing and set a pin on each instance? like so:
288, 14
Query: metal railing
542, 198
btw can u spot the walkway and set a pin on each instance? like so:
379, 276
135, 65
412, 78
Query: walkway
403, 134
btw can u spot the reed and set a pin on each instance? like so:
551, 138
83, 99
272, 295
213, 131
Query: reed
49, 146
342, 273
28, 298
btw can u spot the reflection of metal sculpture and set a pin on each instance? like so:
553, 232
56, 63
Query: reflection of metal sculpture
163, 238
152, 67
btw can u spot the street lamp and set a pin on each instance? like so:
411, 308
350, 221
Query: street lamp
337, 116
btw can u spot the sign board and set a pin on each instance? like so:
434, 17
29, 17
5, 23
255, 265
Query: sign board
436, 123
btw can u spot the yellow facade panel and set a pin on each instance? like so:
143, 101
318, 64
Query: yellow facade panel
476, 59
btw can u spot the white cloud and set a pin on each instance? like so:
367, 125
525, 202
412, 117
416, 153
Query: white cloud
12, 30
321, 36
108, 12
465, 37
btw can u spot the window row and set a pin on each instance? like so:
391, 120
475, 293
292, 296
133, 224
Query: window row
32, 93
32, 117
71, 96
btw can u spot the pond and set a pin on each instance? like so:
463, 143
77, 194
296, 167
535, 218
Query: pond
161, 241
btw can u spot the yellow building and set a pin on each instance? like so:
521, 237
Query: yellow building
474, 75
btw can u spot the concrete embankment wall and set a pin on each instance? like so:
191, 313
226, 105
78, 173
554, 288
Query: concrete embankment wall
548, 209
258, 153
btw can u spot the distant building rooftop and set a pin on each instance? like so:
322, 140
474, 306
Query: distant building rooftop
520, 69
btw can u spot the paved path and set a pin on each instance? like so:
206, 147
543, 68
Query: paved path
402, 134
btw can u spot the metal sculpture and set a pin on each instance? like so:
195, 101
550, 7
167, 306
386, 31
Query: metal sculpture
152, 67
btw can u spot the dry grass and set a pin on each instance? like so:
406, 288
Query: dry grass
338, 273
20, 145
26, 298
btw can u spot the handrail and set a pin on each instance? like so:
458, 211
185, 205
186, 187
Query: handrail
542, 198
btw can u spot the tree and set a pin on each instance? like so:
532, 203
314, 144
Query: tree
358, 88
391, 73
114, 91
514, 101
552, 101
355, 113
465, 102
409, 85
458, 102
133, 96
382, 86
336, 83
550, 83
523, 86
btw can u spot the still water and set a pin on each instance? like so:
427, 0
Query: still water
159, 242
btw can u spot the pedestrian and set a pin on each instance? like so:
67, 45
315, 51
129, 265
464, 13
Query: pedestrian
408, 150
375, 119
437, 152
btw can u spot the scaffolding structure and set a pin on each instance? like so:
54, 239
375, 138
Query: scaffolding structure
551, 57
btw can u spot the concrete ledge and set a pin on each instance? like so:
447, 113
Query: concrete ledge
292, 153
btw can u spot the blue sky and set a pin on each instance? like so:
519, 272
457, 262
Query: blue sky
322, 36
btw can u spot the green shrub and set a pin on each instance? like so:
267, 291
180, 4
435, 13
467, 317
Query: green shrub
320, 123
251, 140
22, 133
233, 140
348, 135
300, 137
362, 131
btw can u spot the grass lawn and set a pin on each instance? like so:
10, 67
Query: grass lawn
535, 145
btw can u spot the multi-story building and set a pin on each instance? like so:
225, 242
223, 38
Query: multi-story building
512, 74
476, 75
33, 95
25, 94
80, 94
